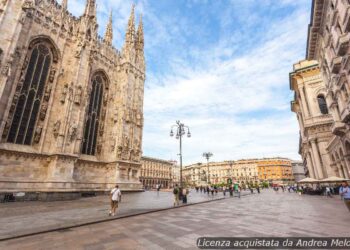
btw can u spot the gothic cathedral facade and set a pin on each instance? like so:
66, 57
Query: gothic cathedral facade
71, 105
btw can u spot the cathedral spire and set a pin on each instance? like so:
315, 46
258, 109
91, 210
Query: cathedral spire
140, 36
130, 33
109, 31
64, 4
90, 9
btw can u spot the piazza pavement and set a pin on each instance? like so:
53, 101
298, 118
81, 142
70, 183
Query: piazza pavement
266, 214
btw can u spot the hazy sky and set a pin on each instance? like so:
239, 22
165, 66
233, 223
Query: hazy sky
219, 66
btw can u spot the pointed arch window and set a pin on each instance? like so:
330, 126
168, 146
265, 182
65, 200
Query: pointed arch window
30, 101
95, 114
322, 104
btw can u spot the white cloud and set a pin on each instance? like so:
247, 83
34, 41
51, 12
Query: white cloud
233, 91
219, 99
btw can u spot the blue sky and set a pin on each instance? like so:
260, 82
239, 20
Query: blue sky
219, 66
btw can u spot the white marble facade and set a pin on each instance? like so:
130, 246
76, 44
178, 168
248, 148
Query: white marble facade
71, 105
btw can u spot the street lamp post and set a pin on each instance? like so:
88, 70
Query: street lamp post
180, 131
231, 170
207, 156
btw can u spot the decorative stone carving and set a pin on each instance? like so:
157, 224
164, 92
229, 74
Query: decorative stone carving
56, 128
43, 110
78, 95
119, 152
28, 4
64, 93
37, 134
79, 50
52, 75
73, 130
6, 69
139, 119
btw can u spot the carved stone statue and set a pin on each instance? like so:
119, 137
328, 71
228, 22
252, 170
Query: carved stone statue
139, 119
73, 130
56, 128
78, 95
6, 70
119, 152
37, 134
64, 93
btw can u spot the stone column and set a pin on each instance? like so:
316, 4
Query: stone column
345, 173
327, 170
347, 160
303, 102
310, 166
317, 162
341, 174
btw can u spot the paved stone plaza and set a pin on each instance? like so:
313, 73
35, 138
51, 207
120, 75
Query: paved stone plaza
30, 217
267, 214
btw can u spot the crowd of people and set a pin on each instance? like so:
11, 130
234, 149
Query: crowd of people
181, 193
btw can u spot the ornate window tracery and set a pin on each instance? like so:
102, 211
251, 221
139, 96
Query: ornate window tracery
94, 126
30, 102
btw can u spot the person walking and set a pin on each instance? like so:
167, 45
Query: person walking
258, 189
230, 189
328, 192
345, 194
212, 190
176, 193
185, 192
115, 197
208, 190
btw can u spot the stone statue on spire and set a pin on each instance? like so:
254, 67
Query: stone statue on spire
64, 5
108, 39
140, 36
90, 9
130, 33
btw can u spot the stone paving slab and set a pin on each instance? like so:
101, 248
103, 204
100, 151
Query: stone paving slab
23, 218
267, 214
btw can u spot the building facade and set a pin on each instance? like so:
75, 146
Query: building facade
314, 119
245, 171
298, 169
71, 105
275, 170
328, 44
155, 171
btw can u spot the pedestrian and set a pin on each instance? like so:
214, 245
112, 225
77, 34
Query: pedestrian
345, 194
212, 190
176, 195
224, 190
115, 197
328, 192
208, 190
231, 190
184, 195
258, 189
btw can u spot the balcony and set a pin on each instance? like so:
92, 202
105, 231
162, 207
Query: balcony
336, 64
343, 44
339, 129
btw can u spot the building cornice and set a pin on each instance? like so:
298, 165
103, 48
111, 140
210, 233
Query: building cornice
317, 11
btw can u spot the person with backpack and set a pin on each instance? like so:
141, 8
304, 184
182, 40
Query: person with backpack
116, 197
176, 193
